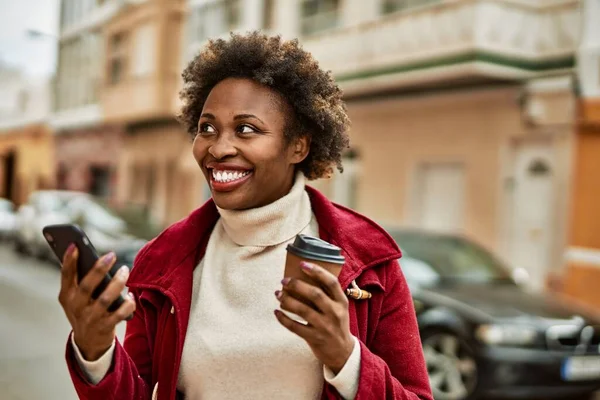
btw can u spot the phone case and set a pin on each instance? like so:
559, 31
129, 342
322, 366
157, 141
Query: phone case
59, 237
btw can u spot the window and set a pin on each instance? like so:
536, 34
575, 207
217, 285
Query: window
233, 13
23, 100
117, 60
390, 6
440, 196
319, 15
144, 52
268, 14
214, 19
63, 13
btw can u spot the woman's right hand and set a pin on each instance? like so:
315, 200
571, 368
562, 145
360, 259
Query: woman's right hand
93, 326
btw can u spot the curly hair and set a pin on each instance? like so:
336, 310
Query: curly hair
318, 109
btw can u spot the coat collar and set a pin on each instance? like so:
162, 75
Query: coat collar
168, 261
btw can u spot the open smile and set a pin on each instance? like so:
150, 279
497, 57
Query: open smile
228, 180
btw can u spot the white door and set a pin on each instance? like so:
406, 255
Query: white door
441, 197
532, 210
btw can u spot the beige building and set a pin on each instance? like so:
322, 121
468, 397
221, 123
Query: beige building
87, 148
583, 254
26, 142
141, 79
463, 112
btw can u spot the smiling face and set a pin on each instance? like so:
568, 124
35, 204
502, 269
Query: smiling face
241, 148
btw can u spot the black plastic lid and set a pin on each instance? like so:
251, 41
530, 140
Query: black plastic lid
313, 248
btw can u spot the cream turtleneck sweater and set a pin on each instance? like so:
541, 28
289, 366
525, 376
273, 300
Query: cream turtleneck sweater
235, 348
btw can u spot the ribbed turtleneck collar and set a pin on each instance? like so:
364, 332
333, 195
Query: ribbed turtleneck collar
272, 224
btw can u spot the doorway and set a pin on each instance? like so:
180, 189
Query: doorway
8, 181
100, 181
532, 209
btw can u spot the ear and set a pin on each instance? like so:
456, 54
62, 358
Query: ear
299, 149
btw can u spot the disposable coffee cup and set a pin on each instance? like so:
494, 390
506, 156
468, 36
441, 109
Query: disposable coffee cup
313, 250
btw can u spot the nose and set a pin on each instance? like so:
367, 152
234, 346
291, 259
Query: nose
222, 148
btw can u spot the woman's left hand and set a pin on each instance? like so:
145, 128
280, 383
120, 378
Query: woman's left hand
327, 333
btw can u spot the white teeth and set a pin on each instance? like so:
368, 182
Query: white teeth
228, 176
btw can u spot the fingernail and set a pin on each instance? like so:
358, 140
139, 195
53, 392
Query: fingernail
278, 294
70, 249
131, 296
306, 266
109, 258
123, 271
285, 281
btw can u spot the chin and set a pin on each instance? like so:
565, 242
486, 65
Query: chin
230, 201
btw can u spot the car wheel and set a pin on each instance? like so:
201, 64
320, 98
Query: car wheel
451, 366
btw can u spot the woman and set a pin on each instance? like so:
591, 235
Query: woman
264, 118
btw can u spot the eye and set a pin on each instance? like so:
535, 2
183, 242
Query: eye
206, 129
245, 129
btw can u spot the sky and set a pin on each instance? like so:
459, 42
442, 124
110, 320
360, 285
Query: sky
35, 56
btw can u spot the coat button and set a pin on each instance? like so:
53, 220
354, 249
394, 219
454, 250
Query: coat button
172, 309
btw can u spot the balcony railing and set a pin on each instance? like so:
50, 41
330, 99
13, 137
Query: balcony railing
520, 34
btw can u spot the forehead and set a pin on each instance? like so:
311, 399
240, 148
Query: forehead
237, 95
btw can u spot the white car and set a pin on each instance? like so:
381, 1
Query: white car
43, 208
106, 230
8, 219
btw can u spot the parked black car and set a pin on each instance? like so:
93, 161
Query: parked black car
486, 336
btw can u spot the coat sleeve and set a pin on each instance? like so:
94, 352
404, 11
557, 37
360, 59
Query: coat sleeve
393, 368
130, 375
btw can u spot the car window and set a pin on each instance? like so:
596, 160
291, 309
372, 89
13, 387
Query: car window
6, 206
49, 202
417, 271
453, 257
98, 215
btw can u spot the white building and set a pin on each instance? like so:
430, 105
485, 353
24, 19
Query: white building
23, 99
80, 62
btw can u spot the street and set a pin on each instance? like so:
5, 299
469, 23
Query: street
33, 331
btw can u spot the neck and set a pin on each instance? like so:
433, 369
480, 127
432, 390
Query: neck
272, 224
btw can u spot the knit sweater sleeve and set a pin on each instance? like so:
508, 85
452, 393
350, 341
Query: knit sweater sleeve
346, 381
94, 371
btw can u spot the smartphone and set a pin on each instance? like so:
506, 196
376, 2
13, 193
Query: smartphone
59, 237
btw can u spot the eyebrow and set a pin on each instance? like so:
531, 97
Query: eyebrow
236, 118
246, 116
208, 116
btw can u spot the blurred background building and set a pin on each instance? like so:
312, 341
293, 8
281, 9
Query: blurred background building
469, 116
26, 142
87, 145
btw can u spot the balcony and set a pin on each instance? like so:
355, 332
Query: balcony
453, 39
142, 62
139, 99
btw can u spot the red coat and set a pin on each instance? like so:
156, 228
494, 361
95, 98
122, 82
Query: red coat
392, 363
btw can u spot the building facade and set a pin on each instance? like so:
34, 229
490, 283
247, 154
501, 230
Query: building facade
463, 112
87, 147
583, 252
142, 78
26, 142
